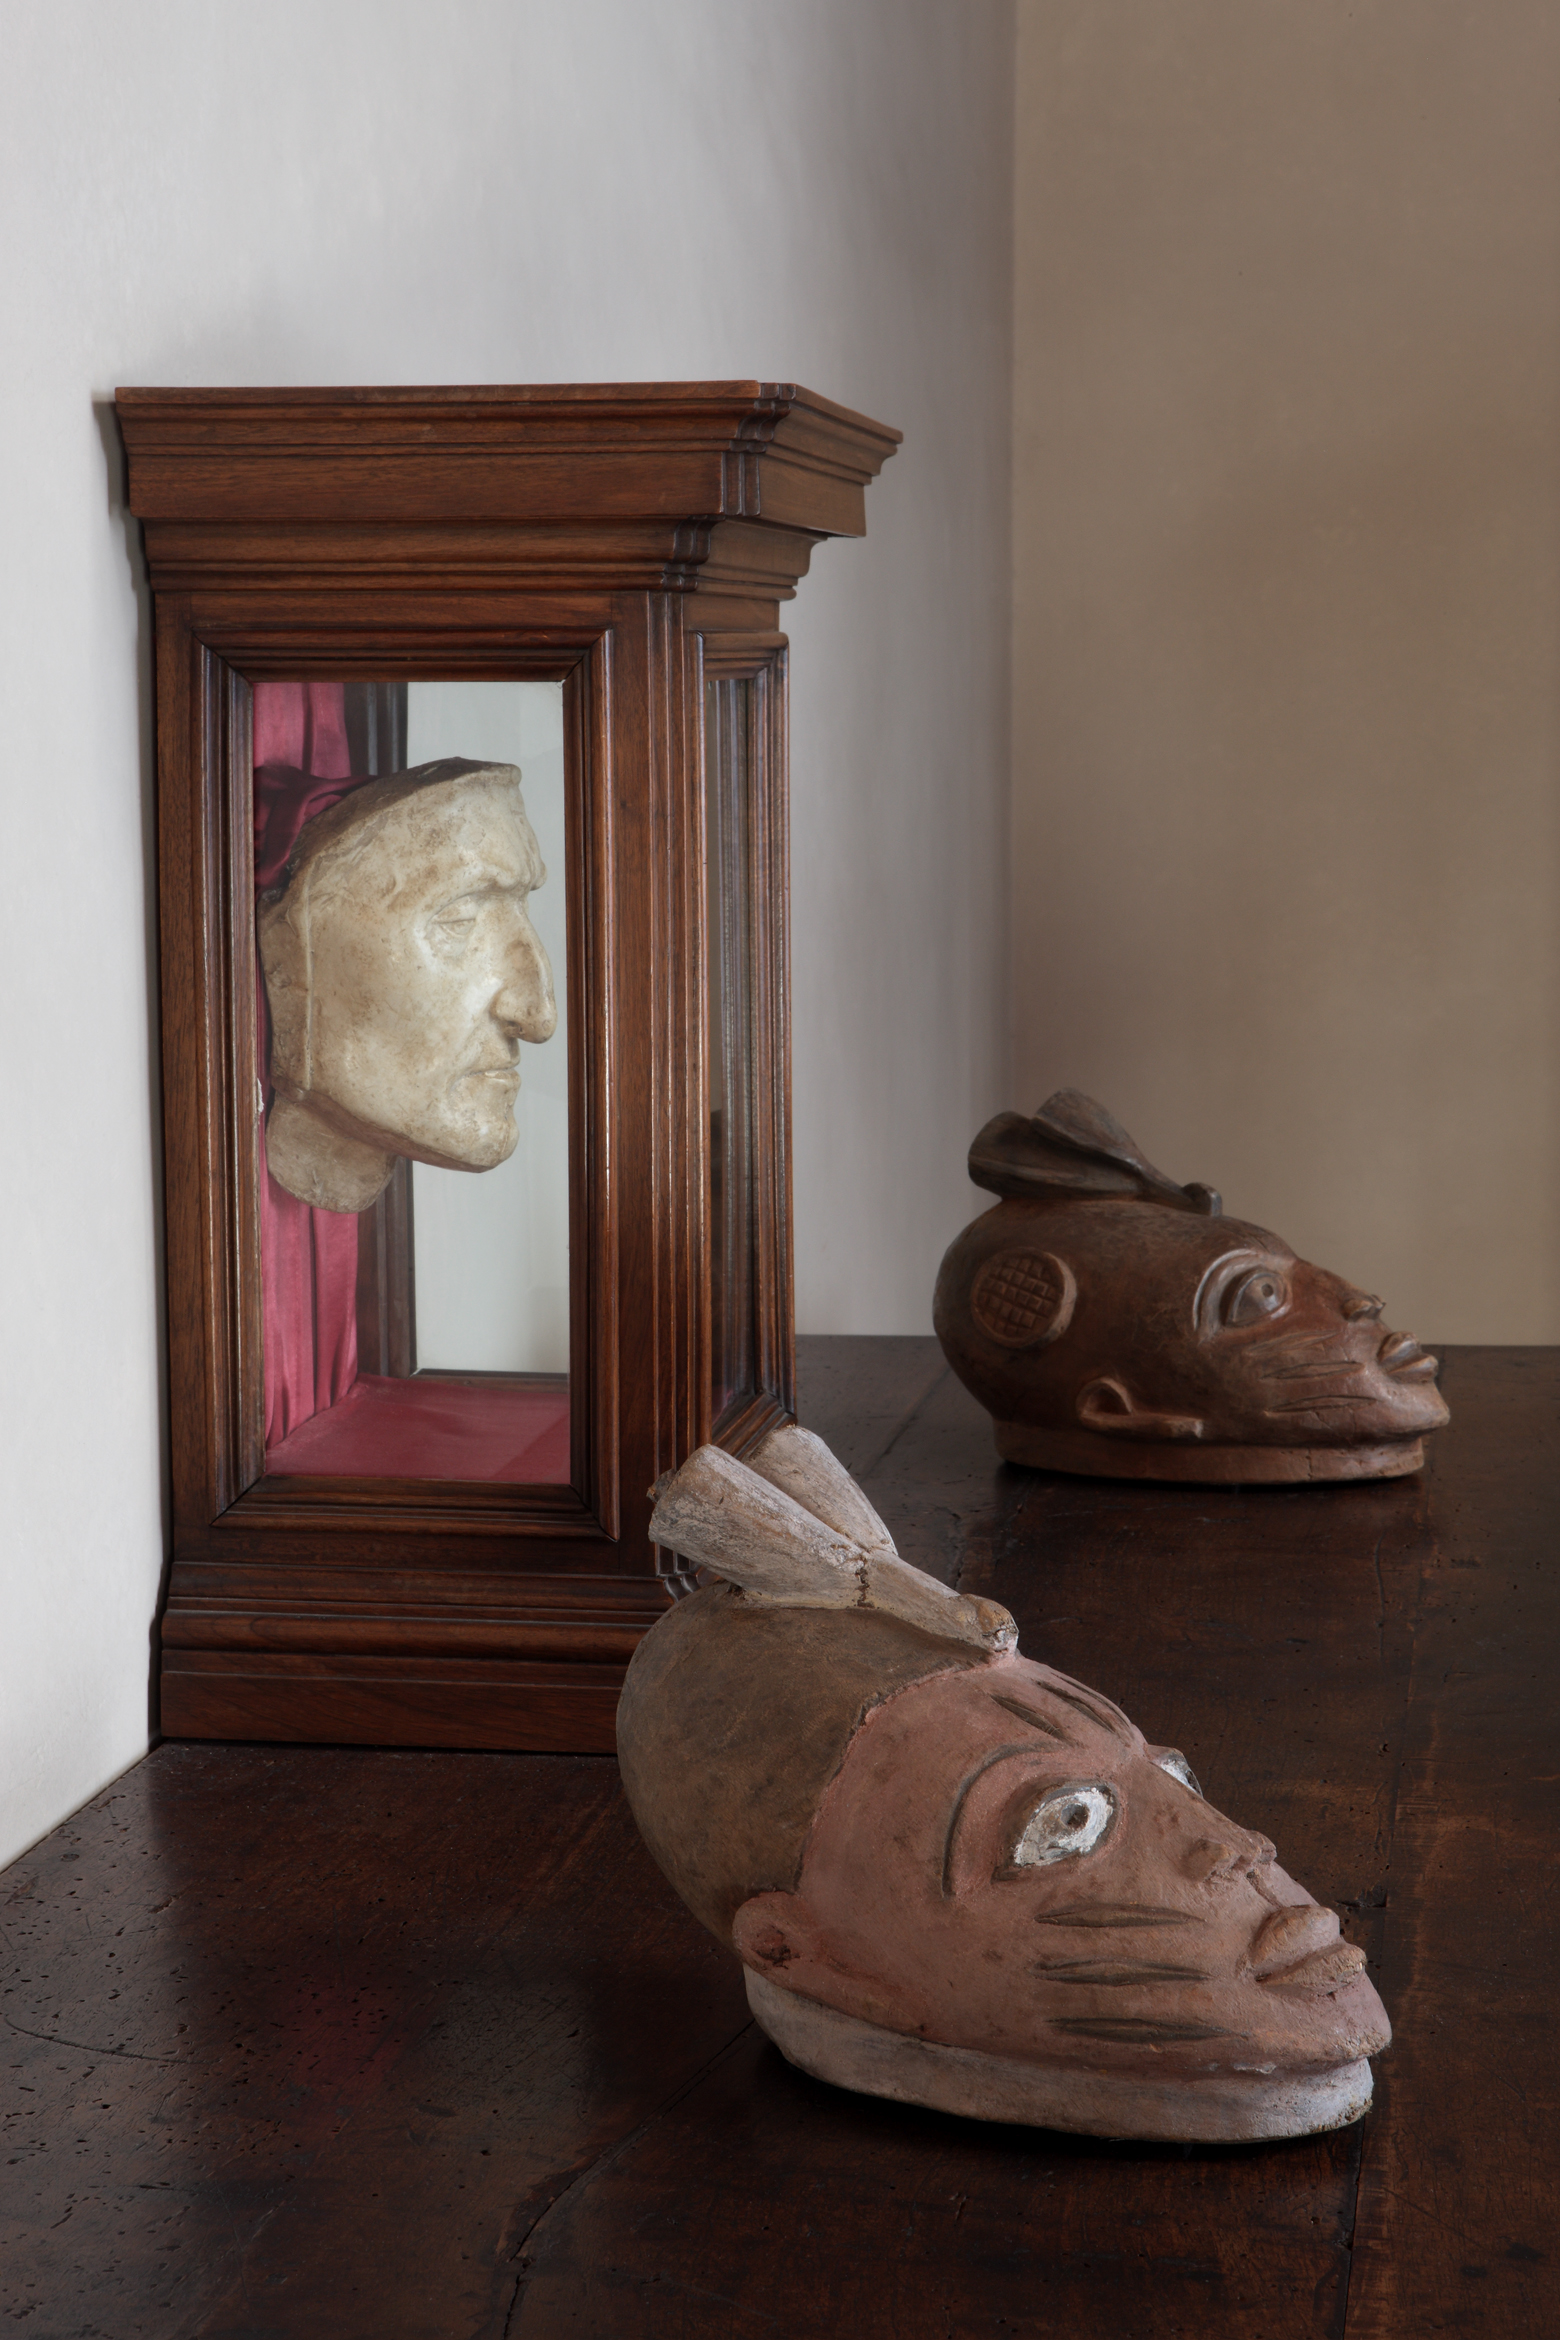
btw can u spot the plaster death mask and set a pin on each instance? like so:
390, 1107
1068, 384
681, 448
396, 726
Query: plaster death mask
402, 973
955, 1877
1117, 1324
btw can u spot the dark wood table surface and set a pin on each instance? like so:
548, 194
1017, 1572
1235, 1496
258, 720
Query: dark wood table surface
405, 2046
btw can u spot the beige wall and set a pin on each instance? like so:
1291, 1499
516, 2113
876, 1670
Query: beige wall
1287, 725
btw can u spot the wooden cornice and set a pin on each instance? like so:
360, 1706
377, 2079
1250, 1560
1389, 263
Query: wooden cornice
557, 487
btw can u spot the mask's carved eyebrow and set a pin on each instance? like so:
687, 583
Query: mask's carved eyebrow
1220, 1273
1032, 1714
997, 1755
1210, 1288
1092, 1707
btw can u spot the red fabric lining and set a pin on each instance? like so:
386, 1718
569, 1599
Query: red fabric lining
308, 1257
434, 1429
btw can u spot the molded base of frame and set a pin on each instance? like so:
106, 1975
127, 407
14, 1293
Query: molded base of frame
1200, 2109
558, 1710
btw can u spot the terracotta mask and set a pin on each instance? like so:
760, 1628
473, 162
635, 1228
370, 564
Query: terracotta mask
954, 1876
1117, 1324
402, 973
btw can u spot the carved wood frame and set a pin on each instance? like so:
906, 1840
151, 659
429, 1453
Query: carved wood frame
761, 661
630, 541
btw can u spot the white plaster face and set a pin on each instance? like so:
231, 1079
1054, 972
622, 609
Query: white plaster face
403, 972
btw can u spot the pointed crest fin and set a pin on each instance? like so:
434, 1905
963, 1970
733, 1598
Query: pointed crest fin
1072, 1146
744, 1525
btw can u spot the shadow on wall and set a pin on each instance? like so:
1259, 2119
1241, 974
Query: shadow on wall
146, 742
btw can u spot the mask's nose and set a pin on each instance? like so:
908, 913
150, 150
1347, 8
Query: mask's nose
1226, 1851
524, 1003
1357, 1304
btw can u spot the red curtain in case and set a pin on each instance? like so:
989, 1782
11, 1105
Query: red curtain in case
308, 1257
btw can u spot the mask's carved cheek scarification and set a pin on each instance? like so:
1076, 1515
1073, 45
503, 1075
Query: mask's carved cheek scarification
1087, 1900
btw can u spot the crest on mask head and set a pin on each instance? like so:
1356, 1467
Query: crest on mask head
793, 1529
1072, 1146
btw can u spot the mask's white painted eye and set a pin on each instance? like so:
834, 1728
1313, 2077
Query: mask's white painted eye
1069, 1821
1173, 1761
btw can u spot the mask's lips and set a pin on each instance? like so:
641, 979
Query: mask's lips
1300, 1948
1401, 1356
1324, 1970
1292, 1932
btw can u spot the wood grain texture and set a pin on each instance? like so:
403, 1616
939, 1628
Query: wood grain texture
1458, 2215
282, 2051
748, 1035
678, 453
765, 2202
422, 2047
861, 1395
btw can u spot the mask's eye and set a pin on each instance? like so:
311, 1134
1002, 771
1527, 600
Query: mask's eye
1261, 1294
1069, 1821
1173, 1761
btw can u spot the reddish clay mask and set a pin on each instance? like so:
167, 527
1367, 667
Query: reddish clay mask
954, 1876
1117, 1324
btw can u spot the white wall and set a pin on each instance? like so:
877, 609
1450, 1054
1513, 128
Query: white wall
197, 191
1287, 519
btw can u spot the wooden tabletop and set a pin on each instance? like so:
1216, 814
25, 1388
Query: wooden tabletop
405, 2046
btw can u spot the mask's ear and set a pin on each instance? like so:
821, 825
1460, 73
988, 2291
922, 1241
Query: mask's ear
1107, 1405
1024, 1299
774, 1934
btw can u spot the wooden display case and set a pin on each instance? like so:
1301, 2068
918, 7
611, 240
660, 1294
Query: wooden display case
629, 545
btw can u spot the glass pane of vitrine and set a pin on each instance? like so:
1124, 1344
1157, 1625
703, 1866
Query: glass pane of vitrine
730, 764
411, 926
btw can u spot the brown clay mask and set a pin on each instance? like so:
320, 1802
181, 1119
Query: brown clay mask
1116, 1324
956, 1876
